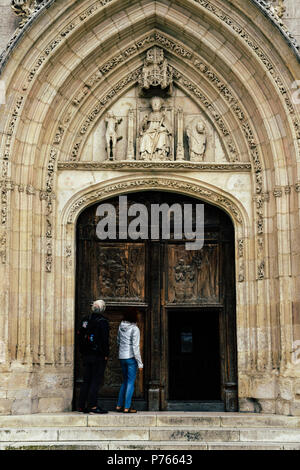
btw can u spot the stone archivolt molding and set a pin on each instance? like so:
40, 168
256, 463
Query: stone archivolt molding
180, 51
216, 11
29, 8
205, 4
191, 88
188, 187
76, 22
191, 188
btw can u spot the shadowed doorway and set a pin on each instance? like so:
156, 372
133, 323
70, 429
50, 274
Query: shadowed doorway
185, 301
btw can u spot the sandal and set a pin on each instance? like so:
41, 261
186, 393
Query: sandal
119, 409
130, 410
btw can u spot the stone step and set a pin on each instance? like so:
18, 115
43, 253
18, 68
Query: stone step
149, 434
150, 419
159, 445
149, 430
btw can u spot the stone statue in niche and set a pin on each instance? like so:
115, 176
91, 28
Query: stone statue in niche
112, 123
155, 134
197, 138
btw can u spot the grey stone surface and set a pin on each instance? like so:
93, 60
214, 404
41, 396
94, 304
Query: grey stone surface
193, 434
103, 434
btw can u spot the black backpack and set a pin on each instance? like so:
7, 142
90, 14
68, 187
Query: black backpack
88, 335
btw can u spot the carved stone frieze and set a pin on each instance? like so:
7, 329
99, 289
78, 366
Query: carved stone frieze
143, 165
59, 135
159, 183
49, 197
68, 257
5, 187
277, 8
241, 260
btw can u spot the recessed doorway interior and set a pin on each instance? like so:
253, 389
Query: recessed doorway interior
185, 302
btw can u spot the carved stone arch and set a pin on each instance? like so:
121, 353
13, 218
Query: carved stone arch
188, 186
215, 12
199, 190
37, 327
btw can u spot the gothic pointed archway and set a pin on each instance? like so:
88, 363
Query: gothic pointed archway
64, 69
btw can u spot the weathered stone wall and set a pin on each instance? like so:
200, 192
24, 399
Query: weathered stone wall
291, 17
62, 78
8, 22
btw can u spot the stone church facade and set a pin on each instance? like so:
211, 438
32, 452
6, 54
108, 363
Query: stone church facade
189, 97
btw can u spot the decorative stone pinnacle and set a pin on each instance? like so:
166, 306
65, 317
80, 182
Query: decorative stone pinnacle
156, 73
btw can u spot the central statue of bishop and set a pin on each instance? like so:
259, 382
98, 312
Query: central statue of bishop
155, 133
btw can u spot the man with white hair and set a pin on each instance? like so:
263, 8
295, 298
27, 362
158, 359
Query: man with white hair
95, 350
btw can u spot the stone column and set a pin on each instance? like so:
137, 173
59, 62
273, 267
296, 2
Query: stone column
180, 148
130, 145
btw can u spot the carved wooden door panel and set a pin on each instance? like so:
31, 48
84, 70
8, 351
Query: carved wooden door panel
114, 272
193, 276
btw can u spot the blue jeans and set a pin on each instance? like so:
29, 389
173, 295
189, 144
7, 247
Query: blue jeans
129, 370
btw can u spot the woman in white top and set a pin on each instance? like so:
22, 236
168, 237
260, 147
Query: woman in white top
130, 358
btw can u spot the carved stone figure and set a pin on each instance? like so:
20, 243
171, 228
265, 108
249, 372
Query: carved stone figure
197, 138
25, 8
277, 8
156, 71
155, 133
112, 123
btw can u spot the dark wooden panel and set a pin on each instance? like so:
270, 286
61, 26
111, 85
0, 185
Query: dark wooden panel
120, 272
164, 278
193, 276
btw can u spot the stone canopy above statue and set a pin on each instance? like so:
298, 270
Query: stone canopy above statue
157, 74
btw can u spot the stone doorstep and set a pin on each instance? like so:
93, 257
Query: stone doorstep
159, 445
150, 419
148, 434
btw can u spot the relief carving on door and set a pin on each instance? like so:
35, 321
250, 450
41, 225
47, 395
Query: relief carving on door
193, 276
121, 271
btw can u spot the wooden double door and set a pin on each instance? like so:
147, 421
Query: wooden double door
185, 301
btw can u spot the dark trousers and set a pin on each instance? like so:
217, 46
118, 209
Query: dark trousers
93, 376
